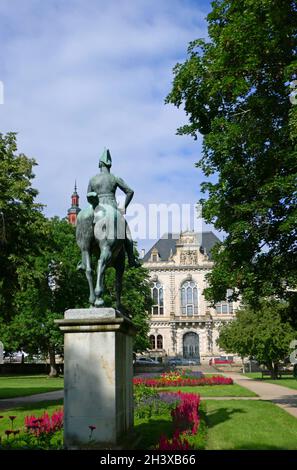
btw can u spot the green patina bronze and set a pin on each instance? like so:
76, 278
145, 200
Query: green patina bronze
102, 230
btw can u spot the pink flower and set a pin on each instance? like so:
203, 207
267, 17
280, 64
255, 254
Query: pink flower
45, 424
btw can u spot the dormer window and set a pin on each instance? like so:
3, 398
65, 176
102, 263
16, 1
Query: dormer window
155, 256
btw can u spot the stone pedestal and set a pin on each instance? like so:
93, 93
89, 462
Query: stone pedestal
98, 374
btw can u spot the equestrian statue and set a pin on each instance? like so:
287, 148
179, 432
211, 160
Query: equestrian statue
103, 231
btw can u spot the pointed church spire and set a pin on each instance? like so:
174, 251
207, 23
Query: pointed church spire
74, 209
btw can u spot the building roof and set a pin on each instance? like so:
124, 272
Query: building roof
167, 242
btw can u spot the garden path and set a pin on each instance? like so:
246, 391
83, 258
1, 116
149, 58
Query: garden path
284, 397
10, 403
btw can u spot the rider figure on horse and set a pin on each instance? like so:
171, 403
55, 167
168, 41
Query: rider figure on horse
101, 192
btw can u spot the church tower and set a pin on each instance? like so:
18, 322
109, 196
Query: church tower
74, 209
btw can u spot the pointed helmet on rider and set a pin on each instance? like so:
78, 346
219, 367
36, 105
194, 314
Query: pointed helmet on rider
105, 158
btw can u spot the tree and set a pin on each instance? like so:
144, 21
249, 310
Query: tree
49, 285
262, 333
235, 89
19, 217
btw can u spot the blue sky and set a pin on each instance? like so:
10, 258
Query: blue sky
83, 74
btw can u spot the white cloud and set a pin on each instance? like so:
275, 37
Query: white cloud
80, 75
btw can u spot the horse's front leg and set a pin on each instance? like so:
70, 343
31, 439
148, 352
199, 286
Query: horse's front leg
105, 256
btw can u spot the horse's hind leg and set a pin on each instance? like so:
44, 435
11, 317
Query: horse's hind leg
119, 278
105, 256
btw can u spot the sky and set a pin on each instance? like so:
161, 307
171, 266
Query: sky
81, 75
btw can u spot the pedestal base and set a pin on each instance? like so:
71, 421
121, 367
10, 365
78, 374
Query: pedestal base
98, 376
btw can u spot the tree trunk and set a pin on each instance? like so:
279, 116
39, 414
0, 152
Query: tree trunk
274, 371
243, 367
53, 366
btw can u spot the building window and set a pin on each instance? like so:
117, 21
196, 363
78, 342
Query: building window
152, 340
224, 308
159, 342
189, 298
155, 255
158, 302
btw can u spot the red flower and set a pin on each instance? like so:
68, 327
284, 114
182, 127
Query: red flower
92, 427
8, 432
12, 417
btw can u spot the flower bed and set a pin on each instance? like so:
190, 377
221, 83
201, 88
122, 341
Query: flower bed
45, 424
44, 432
185, 419
182, 381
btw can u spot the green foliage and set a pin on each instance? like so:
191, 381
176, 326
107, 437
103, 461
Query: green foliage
142, 392
20, 218
148, 402
49, 284
262, 333
235, 89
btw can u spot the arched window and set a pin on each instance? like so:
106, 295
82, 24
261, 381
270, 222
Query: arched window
158, 302
224, 308
159, 342
152, 340
189, 298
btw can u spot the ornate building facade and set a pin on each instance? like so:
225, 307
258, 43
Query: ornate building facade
182, 322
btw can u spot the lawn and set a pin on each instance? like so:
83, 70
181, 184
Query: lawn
232, 424
244, 424
215, 390
152, 429
289, 382
36, 409
20, 386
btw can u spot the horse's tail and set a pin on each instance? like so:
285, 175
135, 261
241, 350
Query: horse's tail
84, 228
84, 233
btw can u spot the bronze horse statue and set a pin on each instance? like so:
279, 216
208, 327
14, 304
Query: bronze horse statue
102, 230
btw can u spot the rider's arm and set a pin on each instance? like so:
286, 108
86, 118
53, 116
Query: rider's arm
92, 196
128, 191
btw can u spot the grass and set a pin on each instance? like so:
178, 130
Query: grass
21, 386
36, 409
289, 382
254, 425
215, 390
231, 424
153, 428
